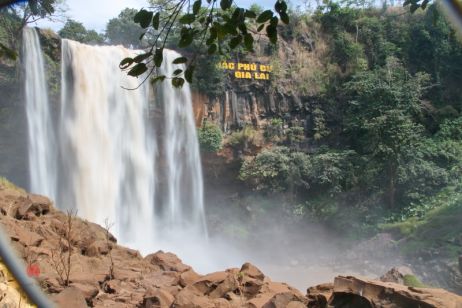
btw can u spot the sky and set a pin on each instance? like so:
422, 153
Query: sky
94, 14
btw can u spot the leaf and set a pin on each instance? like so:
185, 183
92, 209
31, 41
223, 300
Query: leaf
235, 41
212, 49
177, 71
158, 57
230, 28
187, 19
272, 33
180, 60
143, 18
137, 70
196, 7
284, 17
248, 41
177, 82
250, 14
243, 28
209, 41
274, 21
186, 39
156, 21
260, 27
225, 4
414, 7
188, 73
125, 63
280, 6
158, 78
237, 14
265, 16
424, 4
142, 57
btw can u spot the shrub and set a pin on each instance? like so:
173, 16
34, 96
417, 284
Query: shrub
274, 130
210, 137
241, 139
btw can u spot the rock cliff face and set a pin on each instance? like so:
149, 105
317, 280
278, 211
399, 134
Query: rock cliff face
238, 107
102, 273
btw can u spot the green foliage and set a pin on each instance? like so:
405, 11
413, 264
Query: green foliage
14, 17
413, 281
274, 130
242, 139
219, 30
436, 227
208, 78
210, 137
124, 30
295, 135
280, 169
275, 170
75, 30
346, 52
9, 185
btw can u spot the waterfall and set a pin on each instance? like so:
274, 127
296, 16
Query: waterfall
110, 160
107, 149
184, 195
42, 148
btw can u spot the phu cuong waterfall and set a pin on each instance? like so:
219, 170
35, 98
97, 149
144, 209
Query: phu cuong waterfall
105, 156
41, 134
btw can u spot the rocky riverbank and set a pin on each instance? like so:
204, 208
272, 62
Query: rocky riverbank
80, 264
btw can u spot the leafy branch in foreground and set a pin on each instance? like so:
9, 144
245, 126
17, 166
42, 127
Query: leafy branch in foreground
218, 28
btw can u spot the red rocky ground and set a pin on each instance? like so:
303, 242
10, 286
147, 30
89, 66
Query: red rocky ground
104, 274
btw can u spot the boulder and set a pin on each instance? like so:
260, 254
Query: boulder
396, 274
70, 297
32, 205
167, 261
188, 277
252, 271
206, 284
157, 298
359, 292
318, 296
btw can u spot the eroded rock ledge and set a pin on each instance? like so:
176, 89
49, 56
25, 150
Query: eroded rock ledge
105, 274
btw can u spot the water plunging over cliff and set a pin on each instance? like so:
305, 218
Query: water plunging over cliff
107, 149
42, 154
115, 163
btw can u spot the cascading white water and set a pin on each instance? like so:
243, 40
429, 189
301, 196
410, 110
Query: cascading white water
42, 148
102, 160
107, 150
105, 166
184, 200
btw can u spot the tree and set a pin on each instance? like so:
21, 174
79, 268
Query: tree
123, 30
210, 137
381, 118
94, 37
76, 31
14, 17
73, 30
220, 27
